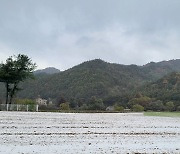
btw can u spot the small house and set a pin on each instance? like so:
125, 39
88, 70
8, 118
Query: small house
41, 101
110, 108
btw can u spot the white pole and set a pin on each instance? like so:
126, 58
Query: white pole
27, 107
37, 108
17, 107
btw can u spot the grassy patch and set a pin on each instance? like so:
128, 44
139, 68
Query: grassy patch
163, 114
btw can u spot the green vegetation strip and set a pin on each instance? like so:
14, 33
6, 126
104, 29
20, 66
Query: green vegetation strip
163, 114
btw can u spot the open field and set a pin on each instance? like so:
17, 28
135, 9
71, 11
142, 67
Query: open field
48, 133
163, 114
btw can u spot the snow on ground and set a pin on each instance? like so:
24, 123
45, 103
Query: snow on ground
55, 133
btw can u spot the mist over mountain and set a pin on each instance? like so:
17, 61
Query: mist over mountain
48, 70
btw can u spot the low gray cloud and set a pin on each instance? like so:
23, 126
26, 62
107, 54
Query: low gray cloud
63, 33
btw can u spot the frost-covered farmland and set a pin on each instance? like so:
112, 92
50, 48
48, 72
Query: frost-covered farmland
48, 133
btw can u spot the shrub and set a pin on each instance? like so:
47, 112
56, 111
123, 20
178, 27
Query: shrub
64, 106
96, 104
178, 108
156, 106
170, 106
119, 108
83, 107
25, 101
137, 108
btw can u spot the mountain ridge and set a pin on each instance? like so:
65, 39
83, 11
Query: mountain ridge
47, 70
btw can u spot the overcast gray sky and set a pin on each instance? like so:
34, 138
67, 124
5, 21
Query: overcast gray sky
64, 33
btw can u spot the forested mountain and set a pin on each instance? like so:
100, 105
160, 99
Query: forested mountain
166, 89
92, 78
158, 70
97, 78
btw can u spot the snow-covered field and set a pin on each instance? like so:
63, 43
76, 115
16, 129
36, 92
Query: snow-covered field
59, 133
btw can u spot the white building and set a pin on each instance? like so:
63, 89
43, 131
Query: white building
110, 108
41, 101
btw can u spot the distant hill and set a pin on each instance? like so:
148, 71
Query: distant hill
92, 78
48, 70
159, 69
97, 78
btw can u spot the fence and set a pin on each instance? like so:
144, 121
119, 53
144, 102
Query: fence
19, 107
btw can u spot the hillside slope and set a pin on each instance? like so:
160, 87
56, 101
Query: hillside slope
95, 78
167, 88
159, 69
